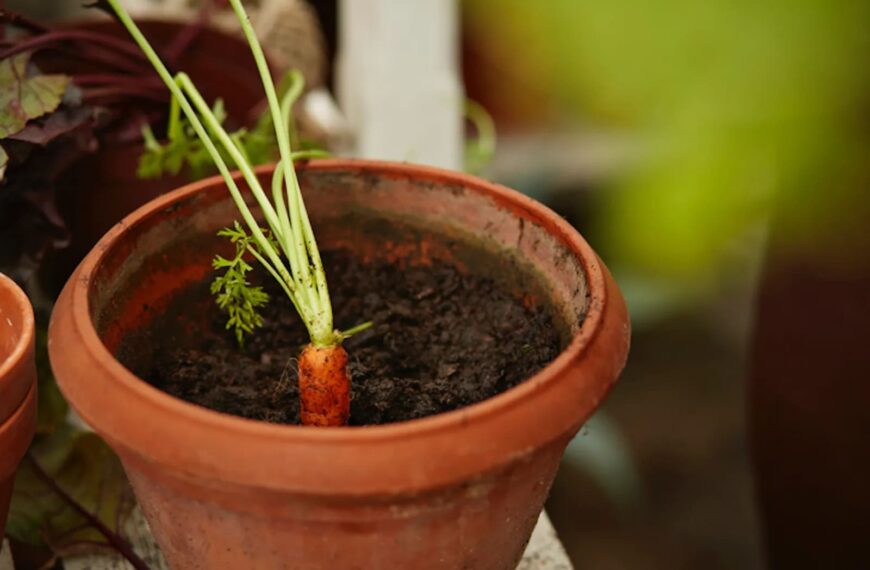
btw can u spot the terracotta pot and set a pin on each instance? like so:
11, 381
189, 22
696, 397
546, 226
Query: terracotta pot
101, 188
458, 490
807, 389
17, 386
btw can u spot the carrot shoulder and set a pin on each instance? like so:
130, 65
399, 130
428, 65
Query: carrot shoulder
324, 386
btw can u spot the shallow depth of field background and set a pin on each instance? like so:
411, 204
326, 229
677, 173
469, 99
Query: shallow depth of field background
665, 132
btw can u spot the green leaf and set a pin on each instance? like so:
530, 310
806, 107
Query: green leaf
233, 293
87, 470
25, 97
52, 409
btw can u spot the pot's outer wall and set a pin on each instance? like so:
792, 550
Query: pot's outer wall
17, 386
16, 347
457, 490
482, 524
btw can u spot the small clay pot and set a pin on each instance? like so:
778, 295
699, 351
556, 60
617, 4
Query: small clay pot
461, 489
17, 386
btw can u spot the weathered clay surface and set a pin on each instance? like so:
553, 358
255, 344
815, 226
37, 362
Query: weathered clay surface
461, 489
544, 551
17, 386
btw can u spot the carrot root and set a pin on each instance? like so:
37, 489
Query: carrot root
324, 386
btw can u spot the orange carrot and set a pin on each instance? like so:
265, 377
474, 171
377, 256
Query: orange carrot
324, 386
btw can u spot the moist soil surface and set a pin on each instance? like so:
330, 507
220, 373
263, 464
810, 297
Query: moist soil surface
441, 340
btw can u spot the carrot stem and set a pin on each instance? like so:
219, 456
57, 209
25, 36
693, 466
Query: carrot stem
323, 380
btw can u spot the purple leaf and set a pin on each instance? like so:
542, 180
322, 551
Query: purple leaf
25, 96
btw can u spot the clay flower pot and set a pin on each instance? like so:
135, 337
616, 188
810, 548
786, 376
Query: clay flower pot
17, 386
461, 489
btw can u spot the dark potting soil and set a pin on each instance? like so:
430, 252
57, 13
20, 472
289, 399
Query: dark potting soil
441, 340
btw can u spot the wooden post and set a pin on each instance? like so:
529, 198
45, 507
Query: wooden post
397, 80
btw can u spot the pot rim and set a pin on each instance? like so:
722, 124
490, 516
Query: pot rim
510, 397
21, 349
312, 453
16, 433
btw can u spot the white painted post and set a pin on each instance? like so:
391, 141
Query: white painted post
398, 80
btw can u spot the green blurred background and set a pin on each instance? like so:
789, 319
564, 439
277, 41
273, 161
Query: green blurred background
669, 133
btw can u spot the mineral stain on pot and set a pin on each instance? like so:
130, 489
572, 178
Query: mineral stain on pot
441, 340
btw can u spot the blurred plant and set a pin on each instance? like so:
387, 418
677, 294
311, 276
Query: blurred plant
480, 150
48, 121
44, 125
184, 151
601, 450
738, 103
71, 495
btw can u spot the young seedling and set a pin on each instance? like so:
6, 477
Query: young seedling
286, 247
